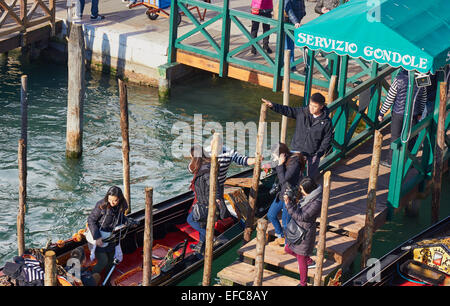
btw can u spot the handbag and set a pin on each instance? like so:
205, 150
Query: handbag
255, 11
294, 233
199, 212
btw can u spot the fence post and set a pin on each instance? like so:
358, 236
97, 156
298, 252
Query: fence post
123, 98
173, 33
148, 238
211, 210
438, 157
52, 9
256, 174
279, 48
371, 198
323, 228
260, 247
225, 43
286, 93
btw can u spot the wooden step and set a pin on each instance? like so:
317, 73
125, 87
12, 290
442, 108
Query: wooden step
342, 249
275, 256
241, 273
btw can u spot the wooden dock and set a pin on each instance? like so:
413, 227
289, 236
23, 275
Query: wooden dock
345, 231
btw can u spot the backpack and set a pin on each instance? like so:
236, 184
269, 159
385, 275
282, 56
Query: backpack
25, 270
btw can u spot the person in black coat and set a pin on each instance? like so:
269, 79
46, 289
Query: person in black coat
305, 213
313, 130
106, 215
289, 168
200, 167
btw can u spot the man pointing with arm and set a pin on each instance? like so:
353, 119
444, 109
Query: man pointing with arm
313, 130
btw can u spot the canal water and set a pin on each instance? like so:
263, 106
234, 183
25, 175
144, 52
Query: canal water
61, 193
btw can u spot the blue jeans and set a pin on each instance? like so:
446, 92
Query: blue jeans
289, 45
197, 227
272, 215
80, 8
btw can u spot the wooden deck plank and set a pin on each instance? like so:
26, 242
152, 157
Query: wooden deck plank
341, 249
275, 256
243, 274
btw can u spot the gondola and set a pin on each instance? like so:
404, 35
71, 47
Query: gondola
423, 260
172, 257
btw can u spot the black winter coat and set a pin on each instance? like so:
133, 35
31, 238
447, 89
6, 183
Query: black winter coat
289, 173
106, 220
201, 190
312, 135
305, 214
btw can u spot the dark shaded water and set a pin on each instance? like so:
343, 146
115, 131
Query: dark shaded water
62, 192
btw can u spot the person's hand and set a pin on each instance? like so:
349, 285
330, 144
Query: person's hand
380, 118
282, 159
286, 199
267, 102
297, 25
325, 10
99, 242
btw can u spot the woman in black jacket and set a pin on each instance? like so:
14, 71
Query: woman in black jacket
107, 214
289, 168
200, 167
305, 213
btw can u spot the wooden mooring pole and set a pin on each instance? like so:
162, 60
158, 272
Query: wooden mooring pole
371, 198
323, 228
50, 269
22, 162
256, 174
123, 97
261, 230
438, 160
211, 210
76, 92
148, 237
286, 93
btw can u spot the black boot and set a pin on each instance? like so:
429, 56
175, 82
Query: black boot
198, 248
267, 49
253, 51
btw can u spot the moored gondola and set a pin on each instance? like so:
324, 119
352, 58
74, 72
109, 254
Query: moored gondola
172, 256
421, 261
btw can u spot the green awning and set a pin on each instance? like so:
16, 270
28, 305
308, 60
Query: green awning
414, 34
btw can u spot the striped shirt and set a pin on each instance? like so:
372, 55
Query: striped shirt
400, 108
225, 159
33, 270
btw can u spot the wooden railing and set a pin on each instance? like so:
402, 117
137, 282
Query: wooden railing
20, 15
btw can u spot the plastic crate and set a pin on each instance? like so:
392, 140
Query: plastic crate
162, 4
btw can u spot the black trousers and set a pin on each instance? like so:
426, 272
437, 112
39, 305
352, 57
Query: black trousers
396, 131
265, 26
